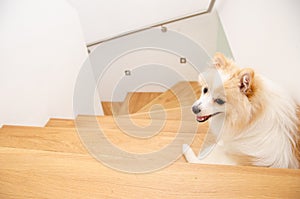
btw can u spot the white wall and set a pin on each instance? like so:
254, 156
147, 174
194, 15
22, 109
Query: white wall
204, 31
265, 34
103, 19
41, 49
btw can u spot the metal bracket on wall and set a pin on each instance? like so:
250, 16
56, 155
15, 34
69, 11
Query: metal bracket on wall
127, 72
182, 60
164, 29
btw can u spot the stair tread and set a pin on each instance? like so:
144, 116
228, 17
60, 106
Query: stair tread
134, 101
175, 114
57, 122
48, 139
67, 140
111, 108
181, 94
42, 174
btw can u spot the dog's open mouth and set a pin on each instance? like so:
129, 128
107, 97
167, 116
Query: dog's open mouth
205, 117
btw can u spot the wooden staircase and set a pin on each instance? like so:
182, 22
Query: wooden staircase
51, 161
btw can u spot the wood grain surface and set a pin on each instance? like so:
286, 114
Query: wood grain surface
53, 162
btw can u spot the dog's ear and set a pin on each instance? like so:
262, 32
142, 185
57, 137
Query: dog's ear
220, 61
246, 83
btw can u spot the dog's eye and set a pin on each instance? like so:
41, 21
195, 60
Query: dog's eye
219, 101
205, 90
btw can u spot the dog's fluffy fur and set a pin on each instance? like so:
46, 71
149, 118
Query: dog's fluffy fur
259, 118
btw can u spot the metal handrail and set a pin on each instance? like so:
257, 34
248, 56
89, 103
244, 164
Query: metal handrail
209, 9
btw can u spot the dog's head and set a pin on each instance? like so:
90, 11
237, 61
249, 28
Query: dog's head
226, 90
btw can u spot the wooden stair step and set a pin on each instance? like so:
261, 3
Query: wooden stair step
48, 139
144, 118
134, 101
182, 94
111, 108
60, 123
42, 174
67, 140
183, 113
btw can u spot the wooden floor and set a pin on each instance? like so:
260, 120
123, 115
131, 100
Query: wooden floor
51, 162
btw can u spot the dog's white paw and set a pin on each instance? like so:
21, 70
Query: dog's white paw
189, 154
185, 148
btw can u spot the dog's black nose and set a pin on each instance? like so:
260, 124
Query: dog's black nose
196, 109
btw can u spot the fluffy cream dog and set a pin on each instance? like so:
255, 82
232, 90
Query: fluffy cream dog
258, 119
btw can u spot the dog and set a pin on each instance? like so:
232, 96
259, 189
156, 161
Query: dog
257, 118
